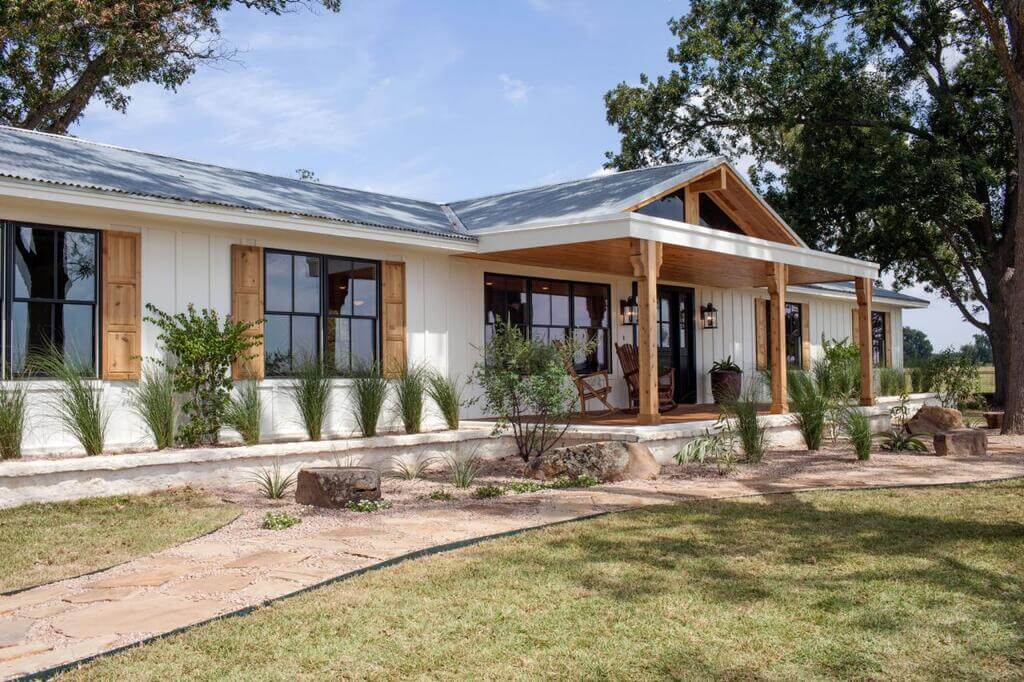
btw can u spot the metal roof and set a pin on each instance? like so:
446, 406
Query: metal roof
877, 292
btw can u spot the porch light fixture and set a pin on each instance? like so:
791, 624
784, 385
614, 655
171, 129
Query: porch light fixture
630, 310
709, 316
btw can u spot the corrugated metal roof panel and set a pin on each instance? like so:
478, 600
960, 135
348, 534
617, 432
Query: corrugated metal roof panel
848, 288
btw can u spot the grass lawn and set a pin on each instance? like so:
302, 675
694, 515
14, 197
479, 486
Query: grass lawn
46, 542
924, 583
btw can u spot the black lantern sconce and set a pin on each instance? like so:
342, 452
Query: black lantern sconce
709, 316
630, 310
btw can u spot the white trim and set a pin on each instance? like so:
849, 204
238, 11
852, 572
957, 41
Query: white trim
171, 208
852, 296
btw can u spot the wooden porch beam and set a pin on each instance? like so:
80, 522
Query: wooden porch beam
777, 277
646, 258
864, 290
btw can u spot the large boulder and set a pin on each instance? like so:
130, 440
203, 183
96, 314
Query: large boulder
930, 419
606, 461
961, 443
335, 487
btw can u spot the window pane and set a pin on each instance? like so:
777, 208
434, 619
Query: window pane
878, 339
364, 289
74, 335
505, 299
794, 334
664, 335
304, 339
34, 258
279, 282
337, 348
590, 305
339, 271
364, 343
594, 359
671, 207
277, 353
31, 331
553, 297
307, 284
77, 276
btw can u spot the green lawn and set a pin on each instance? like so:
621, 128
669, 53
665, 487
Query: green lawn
46, 542
922, 584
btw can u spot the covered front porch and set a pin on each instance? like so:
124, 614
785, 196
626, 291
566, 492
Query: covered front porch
654, 251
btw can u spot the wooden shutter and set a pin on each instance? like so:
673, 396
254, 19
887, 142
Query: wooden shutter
393, 293
247, 305
121, 306
761, 332
856, 328
887, 318
805, 336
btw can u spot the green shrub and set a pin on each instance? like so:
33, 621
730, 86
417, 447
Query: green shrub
711, 446
272, 482
12, 420
488, 491
311, 394
78, 403
244, 413
526, 386
367, 506
890, 381
464, 468
203, 350
920, 380
441, 495
838, 372
899, 440
857, 427
746, 425
581, 481
447, 395
524, 486
810, 407
153, 401
279, 520
954, 377
369, 391
411, 468
409, 389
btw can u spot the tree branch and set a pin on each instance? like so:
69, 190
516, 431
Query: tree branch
994, 28
950, 291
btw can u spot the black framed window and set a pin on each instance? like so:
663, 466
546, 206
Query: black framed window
878, 338
318, 306
50, 294
553, 310
794, 334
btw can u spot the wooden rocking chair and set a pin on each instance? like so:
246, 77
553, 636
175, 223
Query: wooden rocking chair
588, 391
630, 361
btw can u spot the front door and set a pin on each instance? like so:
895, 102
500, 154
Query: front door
675, 340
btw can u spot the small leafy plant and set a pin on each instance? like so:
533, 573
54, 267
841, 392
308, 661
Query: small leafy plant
153, 401
898, 440
368, 506
279, 520
409, 390
523, 486
711, 446
244, 413
810, 407
12, 420
272, 482
78, 403
447, 394
369, 390
441, 495
410, 469
311, 393
891, 381
857, 427
464, 468
581, 481
485, 492
726, 365
746, 424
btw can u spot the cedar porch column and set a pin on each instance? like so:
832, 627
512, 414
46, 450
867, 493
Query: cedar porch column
646, 259
777, 277
864, 287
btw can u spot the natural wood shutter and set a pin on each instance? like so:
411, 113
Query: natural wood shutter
121, 306
393, 293
761, 332
856, 328
247, 305
805, 336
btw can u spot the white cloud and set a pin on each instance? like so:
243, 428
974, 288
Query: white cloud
515, 90
601, 172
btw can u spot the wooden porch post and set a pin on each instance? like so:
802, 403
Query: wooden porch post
864, 287
646, 259
777, 277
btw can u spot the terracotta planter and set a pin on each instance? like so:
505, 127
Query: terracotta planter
726, 385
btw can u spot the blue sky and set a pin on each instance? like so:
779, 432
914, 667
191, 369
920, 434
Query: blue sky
441, 100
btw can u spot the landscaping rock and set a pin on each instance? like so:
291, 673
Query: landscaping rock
930, 419
961, 442
606, 461
337, 486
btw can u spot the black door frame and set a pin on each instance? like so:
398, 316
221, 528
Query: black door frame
686, 381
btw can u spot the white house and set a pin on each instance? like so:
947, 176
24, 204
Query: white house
92, 233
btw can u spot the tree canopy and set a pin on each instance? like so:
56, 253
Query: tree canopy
56, 56
917, 347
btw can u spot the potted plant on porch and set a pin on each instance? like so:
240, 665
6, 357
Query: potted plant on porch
726, 380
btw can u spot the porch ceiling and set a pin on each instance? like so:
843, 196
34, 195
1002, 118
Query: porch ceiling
685, 264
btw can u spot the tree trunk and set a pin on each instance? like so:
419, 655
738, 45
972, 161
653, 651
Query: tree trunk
1012, 289
1001, 363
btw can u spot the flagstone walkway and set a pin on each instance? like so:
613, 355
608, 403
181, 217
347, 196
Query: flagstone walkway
221, 573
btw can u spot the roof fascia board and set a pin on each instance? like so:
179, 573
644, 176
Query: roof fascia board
33, 190
534, 235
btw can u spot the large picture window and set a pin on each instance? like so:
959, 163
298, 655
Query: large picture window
319, 307
794, 334
50, 294
878, 355
553, 310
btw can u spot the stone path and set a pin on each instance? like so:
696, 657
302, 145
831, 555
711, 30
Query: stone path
64, 622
